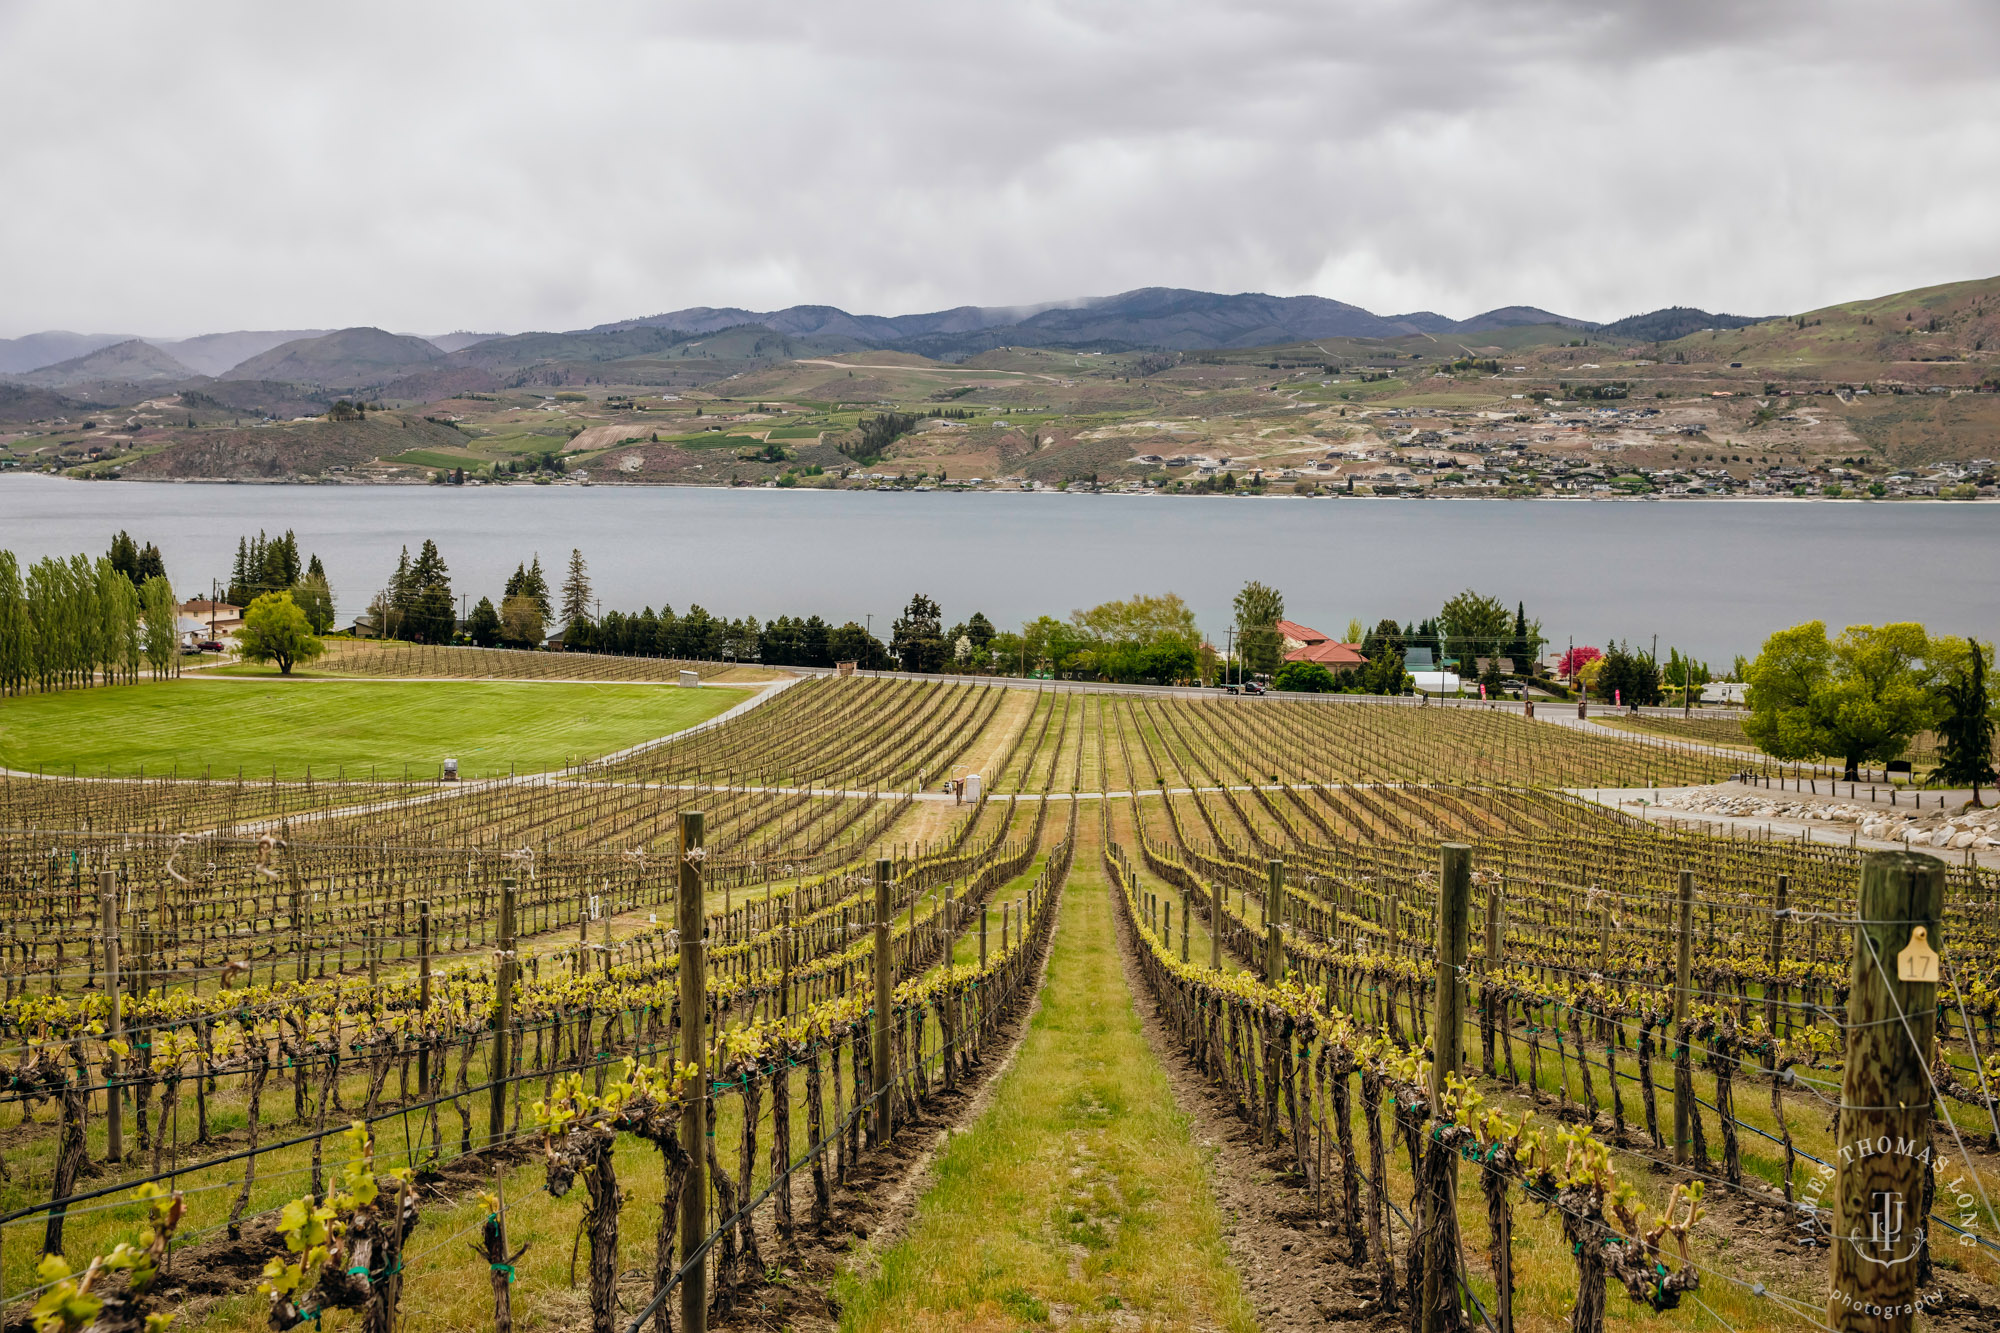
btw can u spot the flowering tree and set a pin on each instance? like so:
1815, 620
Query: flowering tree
1575, 660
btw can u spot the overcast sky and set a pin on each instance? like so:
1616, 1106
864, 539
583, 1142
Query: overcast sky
186, 168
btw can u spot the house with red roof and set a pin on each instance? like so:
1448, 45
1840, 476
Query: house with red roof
1303, 643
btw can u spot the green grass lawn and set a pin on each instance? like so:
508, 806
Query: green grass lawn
1080, 1198
219, 726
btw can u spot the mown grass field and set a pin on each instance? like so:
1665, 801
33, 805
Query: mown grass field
219, 726
1080, 1199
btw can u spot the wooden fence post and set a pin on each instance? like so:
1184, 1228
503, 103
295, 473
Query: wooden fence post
982, 937
503, 1017
1187, 919
1683, 978
114, 1109
1883, 1144
694, 1102
1438, 1307
884, 984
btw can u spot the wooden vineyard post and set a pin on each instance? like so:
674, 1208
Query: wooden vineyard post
1777, 958
1883, 1144
424, 988
1274, 914
1391, 918
1438, 1307
885, 979
885, 985
1216, 892
694, 1101
1683, 977
503, 1017
1490, 966
1187, 919
982, 937
114, 1110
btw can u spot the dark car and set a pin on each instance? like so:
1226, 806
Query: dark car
209, 646
1253, 688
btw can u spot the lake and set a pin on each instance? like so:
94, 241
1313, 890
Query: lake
1711, 577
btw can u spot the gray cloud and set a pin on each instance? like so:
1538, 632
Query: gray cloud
179, 169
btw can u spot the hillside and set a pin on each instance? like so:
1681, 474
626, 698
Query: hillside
129, 362
298, 449
1673, 322
349, 358
214, 353
1148, 317
36, 350
1905, 335
21, 405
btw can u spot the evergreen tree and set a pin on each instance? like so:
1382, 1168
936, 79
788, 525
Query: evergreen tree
316, 600
431, 615
124, 555
1966, 727
239, 573
917, 638
398, 600
575, 591
152, 565
483, 626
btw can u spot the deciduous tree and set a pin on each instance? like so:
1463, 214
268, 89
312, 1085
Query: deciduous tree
275, 630
1259, 608
1861, 697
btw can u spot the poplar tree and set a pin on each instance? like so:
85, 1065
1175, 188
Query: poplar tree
162, 637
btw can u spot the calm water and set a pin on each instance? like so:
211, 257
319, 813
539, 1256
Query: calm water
1711, 577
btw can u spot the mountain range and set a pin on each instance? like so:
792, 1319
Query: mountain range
1150, 317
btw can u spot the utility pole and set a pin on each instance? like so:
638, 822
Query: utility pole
1886, 1094
694, 1105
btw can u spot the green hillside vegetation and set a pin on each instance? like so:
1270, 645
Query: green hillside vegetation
1860, 339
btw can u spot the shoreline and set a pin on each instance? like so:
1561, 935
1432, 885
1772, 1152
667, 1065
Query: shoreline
931, 489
